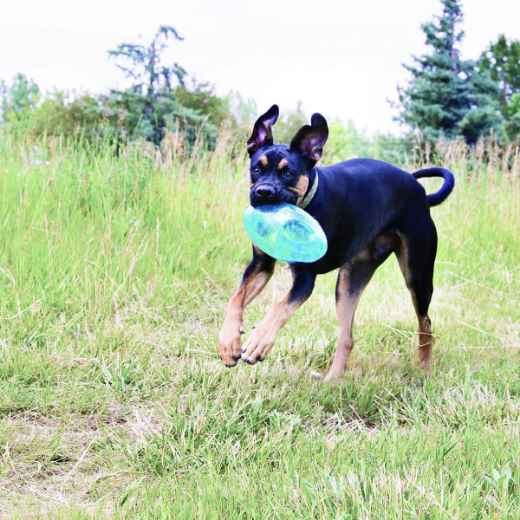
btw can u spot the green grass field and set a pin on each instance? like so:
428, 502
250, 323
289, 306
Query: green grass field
114, 274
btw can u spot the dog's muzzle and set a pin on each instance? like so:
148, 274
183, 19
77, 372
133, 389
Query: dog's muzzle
263, 194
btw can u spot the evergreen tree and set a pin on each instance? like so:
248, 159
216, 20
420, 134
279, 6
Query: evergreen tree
142, 108
447, 97
150, 105
483, 116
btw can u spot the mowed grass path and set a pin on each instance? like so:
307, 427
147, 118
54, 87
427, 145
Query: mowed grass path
113, 404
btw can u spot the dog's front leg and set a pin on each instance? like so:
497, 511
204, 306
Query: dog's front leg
263, 337
255, 277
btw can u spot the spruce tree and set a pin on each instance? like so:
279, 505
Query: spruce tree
447, 97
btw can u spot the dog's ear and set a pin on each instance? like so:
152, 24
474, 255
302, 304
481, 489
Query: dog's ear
310, 139
262, 134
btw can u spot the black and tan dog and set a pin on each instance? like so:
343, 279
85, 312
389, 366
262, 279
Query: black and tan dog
368, 209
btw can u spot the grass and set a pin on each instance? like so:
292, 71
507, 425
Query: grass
113, 404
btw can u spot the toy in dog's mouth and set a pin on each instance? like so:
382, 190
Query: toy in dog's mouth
285, 232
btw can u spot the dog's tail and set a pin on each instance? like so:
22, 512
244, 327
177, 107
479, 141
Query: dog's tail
436, 198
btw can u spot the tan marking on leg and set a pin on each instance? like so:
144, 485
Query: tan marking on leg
425, 327
263, 337
425, 342
282, 164
229, 336
264, 161
345, 309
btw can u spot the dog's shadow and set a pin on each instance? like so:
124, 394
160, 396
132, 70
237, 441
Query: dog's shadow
383, 379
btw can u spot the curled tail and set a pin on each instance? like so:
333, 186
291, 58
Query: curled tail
436, 198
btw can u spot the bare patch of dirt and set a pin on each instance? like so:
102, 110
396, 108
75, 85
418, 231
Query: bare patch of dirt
50, 463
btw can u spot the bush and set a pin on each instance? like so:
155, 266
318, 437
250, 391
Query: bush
80, 118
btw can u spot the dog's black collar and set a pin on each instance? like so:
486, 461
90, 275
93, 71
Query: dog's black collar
311, 191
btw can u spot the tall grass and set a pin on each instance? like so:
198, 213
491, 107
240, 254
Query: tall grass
114, 272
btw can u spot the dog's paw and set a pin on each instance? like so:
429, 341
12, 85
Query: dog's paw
257, 347
229, 349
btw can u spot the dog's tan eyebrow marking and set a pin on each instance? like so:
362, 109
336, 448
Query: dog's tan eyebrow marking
264, 161
282, 164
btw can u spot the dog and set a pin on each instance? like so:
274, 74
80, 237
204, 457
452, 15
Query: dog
367, 208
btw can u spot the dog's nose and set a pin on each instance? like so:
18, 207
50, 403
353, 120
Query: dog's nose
265, 192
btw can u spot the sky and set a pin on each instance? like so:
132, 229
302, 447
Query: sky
338, 57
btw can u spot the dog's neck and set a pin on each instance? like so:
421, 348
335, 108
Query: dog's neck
311, 189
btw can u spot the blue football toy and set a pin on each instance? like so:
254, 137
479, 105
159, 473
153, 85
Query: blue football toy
285, 232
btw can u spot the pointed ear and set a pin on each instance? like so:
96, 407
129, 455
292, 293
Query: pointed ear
262, 134
310, 139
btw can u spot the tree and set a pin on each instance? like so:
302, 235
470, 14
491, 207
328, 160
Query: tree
145, 108
18, 98
502, 61
200, 96
447, 97
158, 98
513, 116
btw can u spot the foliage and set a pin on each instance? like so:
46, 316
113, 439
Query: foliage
345, 142
289, 123
392, 148
513, 115
130, 114
201, 98
152, 104
209, 111
76, 118
483, 117
142, 109
18, 98
243, 111
448, 97
56, 114
502, 61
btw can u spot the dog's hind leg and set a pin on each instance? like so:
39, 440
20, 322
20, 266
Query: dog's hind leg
255, 278
346, 303
416, 257
352, 280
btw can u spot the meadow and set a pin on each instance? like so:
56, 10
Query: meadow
114, 274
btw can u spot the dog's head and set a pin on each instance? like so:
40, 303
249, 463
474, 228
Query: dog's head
280, 173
